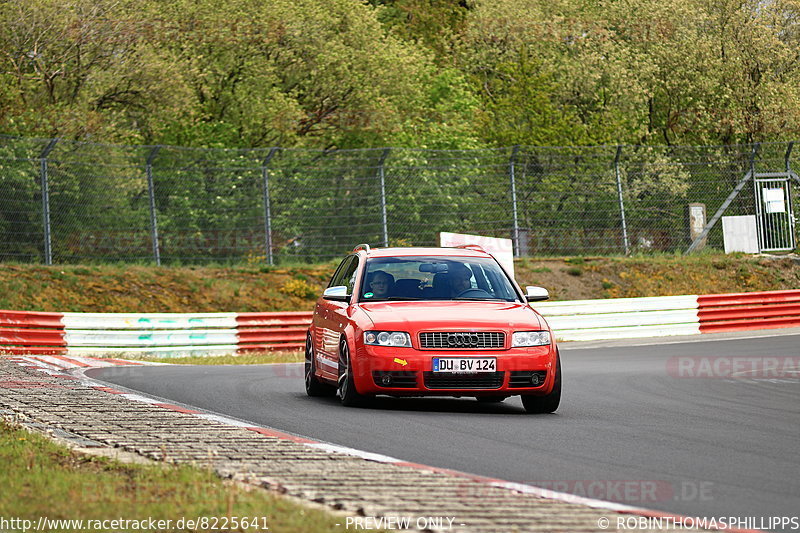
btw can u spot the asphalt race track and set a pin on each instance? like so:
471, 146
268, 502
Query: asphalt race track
700, 428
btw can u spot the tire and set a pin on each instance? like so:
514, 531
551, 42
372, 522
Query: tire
490, 399
348, 394
548, 403
314, 387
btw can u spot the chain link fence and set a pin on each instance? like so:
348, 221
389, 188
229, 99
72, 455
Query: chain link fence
71, 202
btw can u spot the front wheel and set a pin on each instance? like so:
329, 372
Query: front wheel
548, 403
314, 387
348, 394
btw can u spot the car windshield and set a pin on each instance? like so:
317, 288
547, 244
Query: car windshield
435, 278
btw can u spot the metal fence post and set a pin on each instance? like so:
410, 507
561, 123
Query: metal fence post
267, 206
48, 250
512, 177
757, 198
381, 174
152, 193
621, 202
789, 185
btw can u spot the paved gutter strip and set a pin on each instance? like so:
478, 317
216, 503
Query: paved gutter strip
88, 414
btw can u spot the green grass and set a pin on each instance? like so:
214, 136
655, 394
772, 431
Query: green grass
242, 359
40, 478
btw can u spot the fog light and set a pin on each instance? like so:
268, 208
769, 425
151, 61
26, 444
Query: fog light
535, 379
386, 380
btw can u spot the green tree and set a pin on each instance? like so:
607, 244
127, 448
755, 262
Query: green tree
432, 23
294, 73
554, 63
81, 69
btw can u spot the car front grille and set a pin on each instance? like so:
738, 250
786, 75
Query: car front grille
527, 378
442, 380
462, 340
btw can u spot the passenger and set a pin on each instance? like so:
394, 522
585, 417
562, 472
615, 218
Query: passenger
381, 284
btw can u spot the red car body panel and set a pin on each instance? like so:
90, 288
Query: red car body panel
337, 320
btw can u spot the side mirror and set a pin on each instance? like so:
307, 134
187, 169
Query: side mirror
536, 294
338, 292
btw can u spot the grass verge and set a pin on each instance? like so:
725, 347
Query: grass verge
43, 479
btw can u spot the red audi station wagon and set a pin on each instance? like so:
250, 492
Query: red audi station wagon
430, 322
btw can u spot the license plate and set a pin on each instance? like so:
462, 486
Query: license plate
464, 365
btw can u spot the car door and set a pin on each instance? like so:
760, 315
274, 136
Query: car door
330, 319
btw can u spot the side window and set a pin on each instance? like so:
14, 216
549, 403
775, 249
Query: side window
339, 275
349, 275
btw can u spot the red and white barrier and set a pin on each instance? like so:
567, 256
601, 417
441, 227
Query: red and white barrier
671, 315
621, 318
171, 334
749, 310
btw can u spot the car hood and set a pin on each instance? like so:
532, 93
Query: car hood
449, 315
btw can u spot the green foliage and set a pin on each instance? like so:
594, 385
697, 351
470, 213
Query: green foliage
425, 73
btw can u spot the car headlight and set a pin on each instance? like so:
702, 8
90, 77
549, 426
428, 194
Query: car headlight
530, 338
388, 338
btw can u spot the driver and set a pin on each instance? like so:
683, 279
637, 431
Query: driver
459, 276
381, 284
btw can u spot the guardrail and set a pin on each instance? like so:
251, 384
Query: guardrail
170, 334
671, 315
23, 332
749, 310
621, 318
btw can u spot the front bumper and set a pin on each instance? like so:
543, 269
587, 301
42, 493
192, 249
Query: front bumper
409, 372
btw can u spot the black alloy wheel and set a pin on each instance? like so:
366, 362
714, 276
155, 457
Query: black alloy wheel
348, 394
314, 387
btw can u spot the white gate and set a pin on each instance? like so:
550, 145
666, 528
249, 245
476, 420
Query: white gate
775, 220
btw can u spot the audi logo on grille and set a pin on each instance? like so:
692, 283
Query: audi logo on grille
463, 339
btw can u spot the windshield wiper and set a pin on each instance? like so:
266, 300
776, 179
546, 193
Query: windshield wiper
484, 299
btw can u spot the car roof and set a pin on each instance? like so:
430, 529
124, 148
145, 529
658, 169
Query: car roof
420, 251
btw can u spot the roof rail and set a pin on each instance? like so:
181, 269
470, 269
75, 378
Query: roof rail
364, 247
471, 247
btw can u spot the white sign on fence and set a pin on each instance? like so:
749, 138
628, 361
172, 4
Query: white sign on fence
774, 200
739, 234
501, 249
